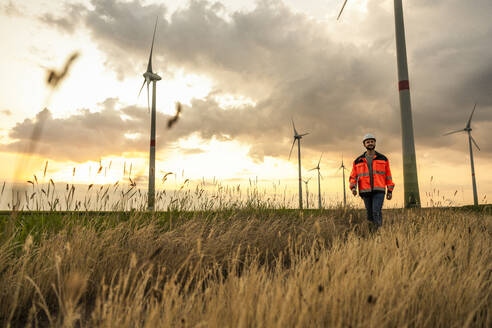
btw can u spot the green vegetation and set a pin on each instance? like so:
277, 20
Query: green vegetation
246, 267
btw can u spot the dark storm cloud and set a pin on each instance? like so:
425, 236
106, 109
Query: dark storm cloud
292, 67
452, 70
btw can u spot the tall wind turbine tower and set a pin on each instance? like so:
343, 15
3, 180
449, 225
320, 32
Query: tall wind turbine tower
410, 179
298, 137
319, 183
468, 130
150, 76
343, 168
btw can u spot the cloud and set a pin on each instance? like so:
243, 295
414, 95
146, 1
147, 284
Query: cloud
89, 135
6, 112
84, 136
191, 151
10, 9
69, 21
292, 66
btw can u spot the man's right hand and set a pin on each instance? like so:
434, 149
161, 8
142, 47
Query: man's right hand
354, 192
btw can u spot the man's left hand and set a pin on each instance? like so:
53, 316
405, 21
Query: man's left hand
389, 196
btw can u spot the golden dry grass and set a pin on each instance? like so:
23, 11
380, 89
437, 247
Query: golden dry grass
254, 268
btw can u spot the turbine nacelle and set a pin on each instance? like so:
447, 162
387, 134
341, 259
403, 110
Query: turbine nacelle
342, 167
297, 137
317, 166
467, 128
296, 134
149, 76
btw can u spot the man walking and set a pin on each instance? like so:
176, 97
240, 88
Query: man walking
372, 172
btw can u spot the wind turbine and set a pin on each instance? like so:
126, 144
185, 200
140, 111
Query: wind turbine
343, 168
468, 130
307, 192
410, 179
150, 76
319, 183
298, 137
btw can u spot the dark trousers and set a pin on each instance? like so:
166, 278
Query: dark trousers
374, 203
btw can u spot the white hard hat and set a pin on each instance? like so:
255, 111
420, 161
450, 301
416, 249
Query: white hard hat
368, 136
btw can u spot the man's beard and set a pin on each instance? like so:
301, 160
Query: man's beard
370, 147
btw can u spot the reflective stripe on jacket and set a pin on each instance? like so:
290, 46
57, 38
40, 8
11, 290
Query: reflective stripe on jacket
380, 171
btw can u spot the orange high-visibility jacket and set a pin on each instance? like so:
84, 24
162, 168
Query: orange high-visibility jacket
381, 174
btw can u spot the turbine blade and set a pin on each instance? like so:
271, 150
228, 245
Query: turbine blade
149, 66
142, 87
321, 176
471, 115
315, 168
474, 142
320, 159
344, 3
453, 132
294, 127
304, 134
292, 148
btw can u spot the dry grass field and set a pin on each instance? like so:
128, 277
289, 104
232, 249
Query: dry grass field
250, 267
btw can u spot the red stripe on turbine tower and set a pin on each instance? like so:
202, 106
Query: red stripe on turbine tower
404, 85
152, 143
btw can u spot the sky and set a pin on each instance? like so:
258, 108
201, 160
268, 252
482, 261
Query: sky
243, 70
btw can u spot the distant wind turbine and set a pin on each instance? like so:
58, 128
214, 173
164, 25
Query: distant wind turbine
410, 178
468, 130
343, 168
307, 192
298, 137
150, 76
319, 183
